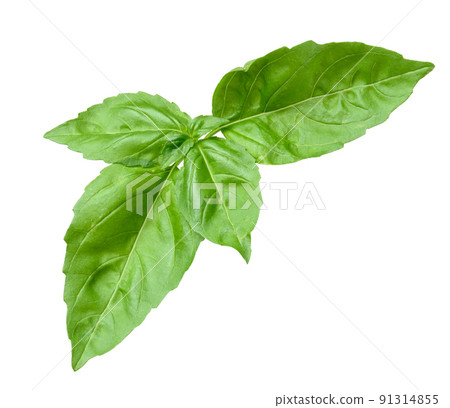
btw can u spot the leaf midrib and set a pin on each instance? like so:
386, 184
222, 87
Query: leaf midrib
312, 98
101, 316
218, 192
122, 133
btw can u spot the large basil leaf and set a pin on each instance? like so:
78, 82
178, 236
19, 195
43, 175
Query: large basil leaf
219, 193
119, 263
311, 99
133, 129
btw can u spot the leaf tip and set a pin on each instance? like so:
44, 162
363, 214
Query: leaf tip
426, 68
430, 66
48, 135
245, 248
76, 365
78, 361
79, 358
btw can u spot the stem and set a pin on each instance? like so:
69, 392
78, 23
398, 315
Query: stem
175, 164
214, 131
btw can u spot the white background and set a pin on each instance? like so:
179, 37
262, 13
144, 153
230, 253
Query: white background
365, 309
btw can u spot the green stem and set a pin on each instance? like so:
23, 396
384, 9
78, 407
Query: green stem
217, 129
175, 164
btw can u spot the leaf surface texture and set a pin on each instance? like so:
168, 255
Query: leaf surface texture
120, 264
218, 191
133, 129
309, 100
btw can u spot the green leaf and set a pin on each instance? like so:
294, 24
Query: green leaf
201, 125
132, 129
127, 247
311, 99
136, 229
219, 193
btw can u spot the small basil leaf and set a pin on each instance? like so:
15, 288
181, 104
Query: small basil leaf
133, 129
311, 99
218, 191
201, 125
